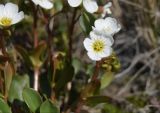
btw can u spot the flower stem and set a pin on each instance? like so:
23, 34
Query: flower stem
96, 72
79, 106
70, 34
93, 79
35, 35
2, 43
4, 53
36, 79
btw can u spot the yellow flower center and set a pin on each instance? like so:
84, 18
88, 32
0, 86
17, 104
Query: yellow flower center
5, 21
98, 46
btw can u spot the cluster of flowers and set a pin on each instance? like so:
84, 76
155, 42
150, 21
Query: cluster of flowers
99, 43
91, 6
9, 14
100, 40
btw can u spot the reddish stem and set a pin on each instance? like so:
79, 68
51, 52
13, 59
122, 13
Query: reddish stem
96, 72
70, 34
94, 78
35, 35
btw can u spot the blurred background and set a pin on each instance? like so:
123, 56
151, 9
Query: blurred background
138, 48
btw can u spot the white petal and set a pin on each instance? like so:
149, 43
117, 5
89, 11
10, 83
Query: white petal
93, 56
1, 10
99, 24
108, 5
36, 2
87, 44
108, 26
90, 5
11, 9
46, 4
93, 34
103, 14
118, 27
112, 25
106, 52
96, 35
106, 9
1, 7
43, 3
18, 17
74, 3
108, 39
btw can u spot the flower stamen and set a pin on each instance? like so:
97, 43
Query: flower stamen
98, 46
5, 21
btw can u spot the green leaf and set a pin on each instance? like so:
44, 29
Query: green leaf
106, 79
17, 86
4, 108
32, 99
1, 95
8, 73
111, 108
58, 6
90, 89
24, 54
86, 22
66, 75
36, 55
48, 107
89, 70
77, 65
110, 105
139, 101
95, 100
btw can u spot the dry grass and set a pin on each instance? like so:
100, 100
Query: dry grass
138, 47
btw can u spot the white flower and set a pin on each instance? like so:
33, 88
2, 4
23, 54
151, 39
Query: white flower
98, 46
9, 14
43, 3
106, 9
107, 26
90, 5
